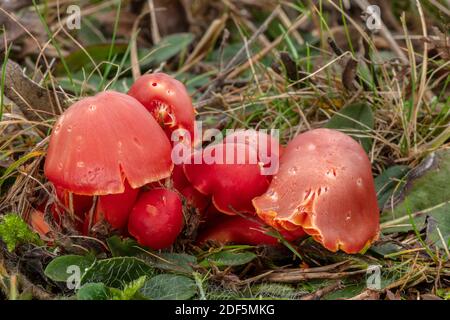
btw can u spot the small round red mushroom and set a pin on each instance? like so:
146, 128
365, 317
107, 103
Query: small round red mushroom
156, 219
231, 184
325, 186
167, 100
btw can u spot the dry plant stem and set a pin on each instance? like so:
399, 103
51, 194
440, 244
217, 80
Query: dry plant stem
239, 56
237, 13
59, 104
266, 50
423, 77
298, 277
323, 291
135, 68
363, 4
288, 24
367, 294
204, 44
156, 37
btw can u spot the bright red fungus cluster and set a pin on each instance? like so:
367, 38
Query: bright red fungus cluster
110, 162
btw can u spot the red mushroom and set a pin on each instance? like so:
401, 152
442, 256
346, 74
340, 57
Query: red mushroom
156, 219
99, 143
241, 230
325, 186
236, 229
231, 185
167, 100
266, 146
232, 171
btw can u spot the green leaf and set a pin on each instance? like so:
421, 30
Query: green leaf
175, 262
15, 231
123, 247
426, 194
388, 182
129, 291
385, 249
167, 48
58, 267
228, 259
93, 291
347, 292
357, 121
84, 58
169, 287
116, 272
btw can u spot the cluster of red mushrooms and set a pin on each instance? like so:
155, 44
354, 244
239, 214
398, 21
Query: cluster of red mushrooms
109, 160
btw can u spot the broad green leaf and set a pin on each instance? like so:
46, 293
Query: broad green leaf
347, 292
167, 48
169, 287
93, 291
116, 272
86, 57
228, 259
426, 193
384, 249
175, 262
59, 268
357, 121
122, 247
388, 182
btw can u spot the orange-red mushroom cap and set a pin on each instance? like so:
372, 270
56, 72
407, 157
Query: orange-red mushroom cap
231, 182
325, 186
100, 141
167, 100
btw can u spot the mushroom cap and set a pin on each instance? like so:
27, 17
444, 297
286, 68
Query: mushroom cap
167, 100
236, 229
231, 184
116, 208
268, 147
100, 141
156, 219
324, 185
